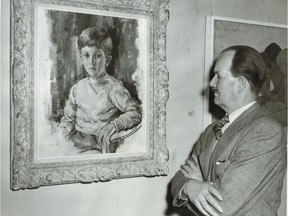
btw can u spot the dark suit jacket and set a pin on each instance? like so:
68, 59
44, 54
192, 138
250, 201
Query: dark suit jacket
247, 165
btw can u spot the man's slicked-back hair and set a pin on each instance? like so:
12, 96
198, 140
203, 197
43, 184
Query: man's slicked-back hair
248, 62
95, 36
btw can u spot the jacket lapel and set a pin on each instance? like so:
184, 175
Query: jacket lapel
206, 153
226, 144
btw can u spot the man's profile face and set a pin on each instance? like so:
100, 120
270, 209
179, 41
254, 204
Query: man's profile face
224, 84
94, 61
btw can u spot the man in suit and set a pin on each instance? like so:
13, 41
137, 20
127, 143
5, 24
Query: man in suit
238, 164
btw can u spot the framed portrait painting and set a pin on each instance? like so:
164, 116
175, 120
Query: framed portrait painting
89, 88
270, 40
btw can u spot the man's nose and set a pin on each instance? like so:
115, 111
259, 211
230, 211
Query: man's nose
212, 82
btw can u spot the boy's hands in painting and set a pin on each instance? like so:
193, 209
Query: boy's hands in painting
104, 135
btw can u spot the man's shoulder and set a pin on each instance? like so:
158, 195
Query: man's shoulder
267, 122
263, 125
259, 116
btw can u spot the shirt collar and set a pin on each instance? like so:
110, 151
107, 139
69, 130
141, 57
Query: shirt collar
239, 111
234, 115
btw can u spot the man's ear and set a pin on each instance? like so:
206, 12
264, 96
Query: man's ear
242, 84
108, 60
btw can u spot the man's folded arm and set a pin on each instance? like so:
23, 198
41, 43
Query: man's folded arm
190, 170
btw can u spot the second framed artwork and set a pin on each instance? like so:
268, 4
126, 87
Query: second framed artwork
89, 91
270, 40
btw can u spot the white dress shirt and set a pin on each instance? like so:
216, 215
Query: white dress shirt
234, 115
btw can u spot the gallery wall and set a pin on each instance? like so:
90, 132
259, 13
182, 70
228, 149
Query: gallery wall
185, 113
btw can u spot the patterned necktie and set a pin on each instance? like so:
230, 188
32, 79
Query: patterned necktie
220, 125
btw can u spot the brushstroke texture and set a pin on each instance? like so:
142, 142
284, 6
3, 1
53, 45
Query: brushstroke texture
67, 69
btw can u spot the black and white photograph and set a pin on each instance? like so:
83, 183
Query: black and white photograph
143, 108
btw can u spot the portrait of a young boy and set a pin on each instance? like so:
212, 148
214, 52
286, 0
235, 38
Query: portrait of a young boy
93, 96
99, 105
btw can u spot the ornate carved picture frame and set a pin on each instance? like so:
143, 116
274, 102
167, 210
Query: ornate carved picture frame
116, 122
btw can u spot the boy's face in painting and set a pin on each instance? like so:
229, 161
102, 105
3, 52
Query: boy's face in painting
94, 61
